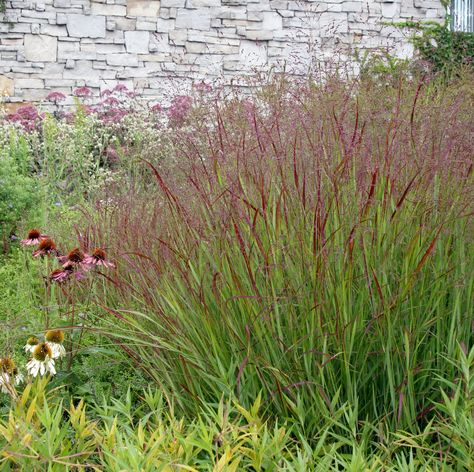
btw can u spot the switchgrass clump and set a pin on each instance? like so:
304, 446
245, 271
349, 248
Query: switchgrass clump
312, 242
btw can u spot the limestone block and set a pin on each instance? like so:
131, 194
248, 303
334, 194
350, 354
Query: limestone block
258, 35
108, 10
6, 86
173, 3
53, 30
61, 19
29, 84
86, 26
194, 19
41, 48
203, 3
137, 41
164, 26
160, 43
252, 54
272, 21
150, 8
122, 60
390, 10
146, 25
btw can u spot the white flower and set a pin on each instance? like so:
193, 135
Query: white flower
35, 367
19, 378
54, 339
31, 344
58, 350
4, 382
42, 362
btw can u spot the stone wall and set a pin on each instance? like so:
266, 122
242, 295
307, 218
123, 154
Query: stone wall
154, 46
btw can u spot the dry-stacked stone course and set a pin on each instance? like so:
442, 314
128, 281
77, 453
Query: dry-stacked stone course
153, 46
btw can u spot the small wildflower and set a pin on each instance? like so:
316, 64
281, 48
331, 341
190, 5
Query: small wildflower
46, 246
55, 339
34, 237
42, 362
98, 258
32, 342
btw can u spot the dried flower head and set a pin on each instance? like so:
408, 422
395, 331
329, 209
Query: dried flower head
7, 365
46, 246
34, 237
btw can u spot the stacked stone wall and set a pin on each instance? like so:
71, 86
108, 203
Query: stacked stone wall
153, 46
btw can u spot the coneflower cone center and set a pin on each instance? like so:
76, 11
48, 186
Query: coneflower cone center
32, 341
34, 234
99, 254
55, 336
76, 255
47, 245
41, 351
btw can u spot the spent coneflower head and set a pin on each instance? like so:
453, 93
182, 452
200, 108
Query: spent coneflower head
7, 365
32, 342
42, 361
34, 237
46, 246
9, 374
98, 258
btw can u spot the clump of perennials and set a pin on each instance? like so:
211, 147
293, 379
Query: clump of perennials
43, 356
72, 266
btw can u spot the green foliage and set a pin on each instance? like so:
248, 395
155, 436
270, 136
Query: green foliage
447, 51
19, 193
122, 434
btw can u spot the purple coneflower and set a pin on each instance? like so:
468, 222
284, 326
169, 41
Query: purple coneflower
46, 247
34, 237
73, 259
98, 258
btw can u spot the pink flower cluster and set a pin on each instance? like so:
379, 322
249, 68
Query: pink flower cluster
179, 110
27, 116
